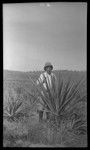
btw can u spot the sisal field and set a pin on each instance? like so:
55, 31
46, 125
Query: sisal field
20, 118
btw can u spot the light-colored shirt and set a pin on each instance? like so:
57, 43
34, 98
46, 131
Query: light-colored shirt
50, 78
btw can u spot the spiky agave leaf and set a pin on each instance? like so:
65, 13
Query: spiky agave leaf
43, 96
47, 95
10, 107
60, 89
35, 97
16, 107
79, 100
64, 93
13, 108
74, 89
72, 98
70, 94
80, 126
52, 96
78, 123
70, 107
6, 114
53, 92
10, 103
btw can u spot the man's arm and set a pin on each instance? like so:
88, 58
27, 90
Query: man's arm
55, 81
40, 79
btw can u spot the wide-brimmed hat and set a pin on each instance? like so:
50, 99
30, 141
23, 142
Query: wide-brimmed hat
48, 64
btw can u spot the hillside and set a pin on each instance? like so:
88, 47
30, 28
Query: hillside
17, 78
17, 75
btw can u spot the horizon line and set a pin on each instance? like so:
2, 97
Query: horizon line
43, 70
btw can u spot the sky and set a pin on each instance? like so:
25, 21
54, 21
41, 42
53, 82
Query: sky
35, 33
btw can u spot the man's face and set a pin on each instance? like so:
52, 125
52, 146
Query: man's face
49, 70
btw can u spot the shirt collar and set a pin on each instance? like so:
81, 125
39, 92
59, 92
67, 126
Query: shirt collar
47, 73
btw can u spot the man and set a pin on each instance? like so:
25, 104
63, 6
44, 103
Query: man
46, 78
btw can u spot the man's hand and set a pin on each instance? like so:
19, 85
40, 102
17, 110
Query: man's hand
44, 81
